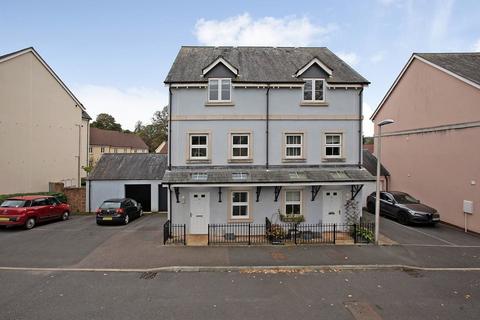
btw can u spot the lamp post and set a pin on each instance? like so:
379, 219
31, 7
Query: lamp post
377, 193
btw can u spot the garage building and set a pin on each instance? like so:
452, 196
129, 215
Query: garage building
136, 176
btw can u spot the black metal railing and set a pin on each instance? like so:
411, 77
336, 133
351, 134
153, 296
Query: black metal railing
174, 233
290, 233
237, 233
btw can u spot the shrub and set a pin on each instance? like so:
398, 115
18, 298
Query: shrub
60, 196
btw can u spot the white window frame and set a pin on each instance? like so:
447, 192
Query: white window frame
191, 147
233, 146
287, 145
327, 145
313, 90
102, 149
299, 202
219, 88
246, 203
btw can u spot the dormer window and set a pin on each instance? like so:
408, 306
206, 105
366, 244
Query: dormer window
314, 90
219, 90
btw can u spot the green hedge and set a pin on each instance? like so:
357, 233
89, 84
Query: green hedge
60, 196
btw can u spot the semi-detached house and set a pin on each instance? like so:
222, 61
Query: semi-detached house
262, 131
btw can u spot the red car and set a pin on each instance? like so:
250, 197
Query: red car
27, 211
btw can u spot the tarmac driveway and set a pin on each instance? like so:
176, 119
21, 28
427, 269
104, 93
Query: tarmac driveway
68, 243
419, 235
80, 243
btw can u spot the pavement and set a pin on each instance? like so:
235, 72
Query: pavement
80, 244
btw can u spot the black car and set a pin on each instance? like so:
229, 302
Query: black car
119, 211
403, 207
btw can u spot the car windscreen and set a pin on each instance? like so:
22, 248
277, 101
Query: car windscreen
14, 203
110, 205
405, 198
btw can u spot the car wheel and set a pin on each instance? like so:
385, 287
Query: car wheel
65, 216
126, 220
99, 223
403, 218
30, 223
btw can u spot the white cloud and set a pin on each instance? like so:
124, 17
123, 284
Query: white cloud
378, 56
476, 46
349, 57
126, 106
267, 31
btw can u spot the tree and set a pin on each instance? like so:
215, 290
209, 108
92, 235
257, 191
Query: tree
155, 133
107, 122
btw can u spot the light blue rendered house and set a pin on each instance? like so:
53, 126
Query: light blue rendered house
263, 132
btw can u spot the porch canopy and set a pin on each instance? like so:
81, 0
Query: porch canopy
305, 176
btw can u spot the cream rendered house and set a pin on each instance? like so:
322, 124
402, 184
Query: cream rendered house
43, 126
109, 141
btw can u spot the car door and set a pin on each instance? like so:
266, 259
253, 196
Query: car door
388, 204
129, 208
40, 208
135, 210
54, 209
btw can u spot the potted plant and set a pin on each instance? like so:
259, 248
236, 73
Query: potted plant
277, 234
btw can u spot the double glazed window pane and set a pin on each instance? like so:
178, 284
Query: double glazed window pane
333, 139
199, 146
240, 197
213, 87
240, 145
294, 139
292, 196
239, 204
219, 89
313, 90
292, 209
294, 152
225, 89
307, 90
319, 90
293, 146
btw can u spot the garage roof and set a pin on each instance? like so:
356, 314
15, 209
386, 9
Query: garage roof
131, 166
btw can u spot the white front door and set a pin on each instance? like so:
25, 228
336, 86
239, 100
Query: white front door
332, 206
199, 212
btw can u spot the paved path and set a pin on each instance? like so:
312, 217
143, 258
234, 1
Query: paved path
80, 243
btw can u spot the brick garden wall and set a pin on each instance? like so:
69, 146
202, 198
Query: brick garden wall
76, 198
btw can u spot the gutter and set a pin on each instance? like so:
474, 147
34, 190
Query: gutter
360, 133
169, 128
267, 124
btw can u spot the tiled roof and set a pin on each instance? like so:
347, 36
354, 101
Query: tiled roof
259, 64
136, 166
261, 175
100, 137
370, 163
466, 65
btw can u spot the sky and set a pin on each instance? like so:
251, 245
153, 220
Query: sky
115, 55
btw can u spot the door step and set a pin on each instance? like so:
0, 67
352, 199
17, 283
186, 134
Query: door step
197, 239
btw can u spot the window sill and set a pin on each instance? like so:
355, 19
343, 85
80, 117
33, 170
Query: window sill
219, 104
240, 160
294, 160
202, 161
334, 159
239, 220
314, 104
